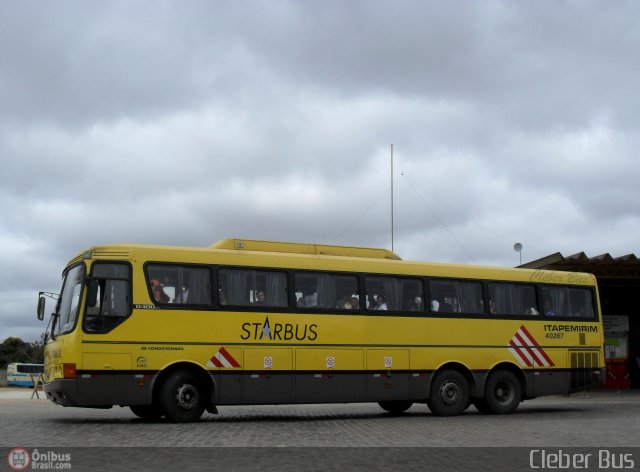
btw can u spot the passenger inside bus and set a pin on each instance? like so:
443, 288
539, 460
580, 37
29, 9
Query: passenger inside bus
445, 307
492, 307
355, 303
158, 292
260, 297
416, 304
435, 305
548, 309
381, 303
183, 296
310, 298
222, 296
371, 302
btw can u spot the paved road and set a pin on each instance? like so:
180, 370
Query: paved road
594, 420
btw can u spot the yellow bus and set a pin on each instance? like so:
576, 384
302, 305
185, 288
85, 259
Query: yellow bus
175, 331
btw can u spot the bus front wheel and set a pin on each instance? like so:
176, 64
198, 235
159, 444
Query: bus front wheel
449, 393
503, 393
182, 397
146, 412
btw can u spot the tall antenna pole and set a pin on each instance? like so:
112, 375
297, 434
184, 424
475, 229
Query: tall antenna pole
392, 198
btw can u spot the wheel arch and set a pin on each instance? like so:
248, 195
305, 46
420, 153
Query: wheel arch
203, 375
509, 367
459, 367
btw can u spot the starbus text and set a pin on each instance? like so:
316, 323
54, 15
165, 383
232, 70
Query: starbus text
279, 331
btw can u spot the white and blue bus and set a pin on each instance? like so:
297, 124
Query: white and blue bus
23, 375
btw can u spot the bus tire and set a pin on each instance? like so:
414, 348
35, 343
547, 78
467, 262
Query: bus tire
182, 397
503, 393
449, 393
146, 412
395, 407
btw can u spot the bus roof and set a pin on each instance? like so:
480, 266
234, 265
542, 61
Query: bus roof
302, 256
304, 248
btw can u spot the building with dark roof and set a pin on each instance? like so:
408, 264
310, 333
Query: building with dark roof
619, 289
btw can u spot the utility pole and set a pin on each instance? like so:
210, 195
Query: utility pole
392, 198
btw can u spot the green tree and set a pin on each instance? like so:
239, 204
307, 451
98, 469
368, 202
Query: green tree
16, 350
36, 352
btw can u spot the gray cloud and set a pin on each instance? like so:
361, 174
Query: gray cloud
187, 123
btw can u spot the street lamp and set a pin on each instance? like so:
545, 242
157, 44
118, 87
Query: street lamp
518, 248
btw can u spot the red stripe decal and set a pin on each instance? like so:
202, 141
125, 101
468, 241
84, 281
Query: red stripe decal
533, 340
516, 349
533, 351
229, 357
544, 354
525, 345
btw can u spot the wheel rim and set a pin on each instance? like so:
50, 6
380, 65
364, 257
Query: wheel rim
504, 393
450, 392
187, 397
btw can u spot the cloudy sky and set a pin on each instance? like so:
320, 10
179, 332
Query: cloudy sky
188, 122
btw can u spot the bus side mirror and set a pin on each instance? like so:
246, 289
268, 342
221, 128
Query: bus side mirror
92, 296
41, 303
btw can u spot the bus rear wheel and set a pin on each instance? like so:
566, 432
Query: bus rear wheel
395, 407
503, 393
146, 412
182, 397
449, 393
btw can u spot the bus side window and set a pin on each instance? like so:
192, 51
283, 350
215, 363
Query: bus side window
257, 288
394, 293
512, 299
581, 302
113, 297
324, 290
456, 296
182, 285
555, 301
568, 301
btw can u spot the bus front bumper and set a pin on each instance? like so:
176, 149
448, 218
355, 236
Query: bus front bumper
62, 392
100, 391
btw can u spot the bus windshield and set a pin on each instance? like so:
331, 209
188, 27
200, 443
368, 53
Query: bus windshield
69, 302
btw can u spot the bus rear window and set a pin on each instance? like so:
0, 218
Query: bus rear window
570, 302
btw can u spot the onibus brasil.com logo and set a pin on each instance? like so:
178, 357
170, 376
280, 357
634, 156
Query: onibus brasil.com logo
22, 459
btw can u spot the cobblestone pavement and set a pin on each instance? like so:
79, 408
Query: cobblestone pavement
591, 420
